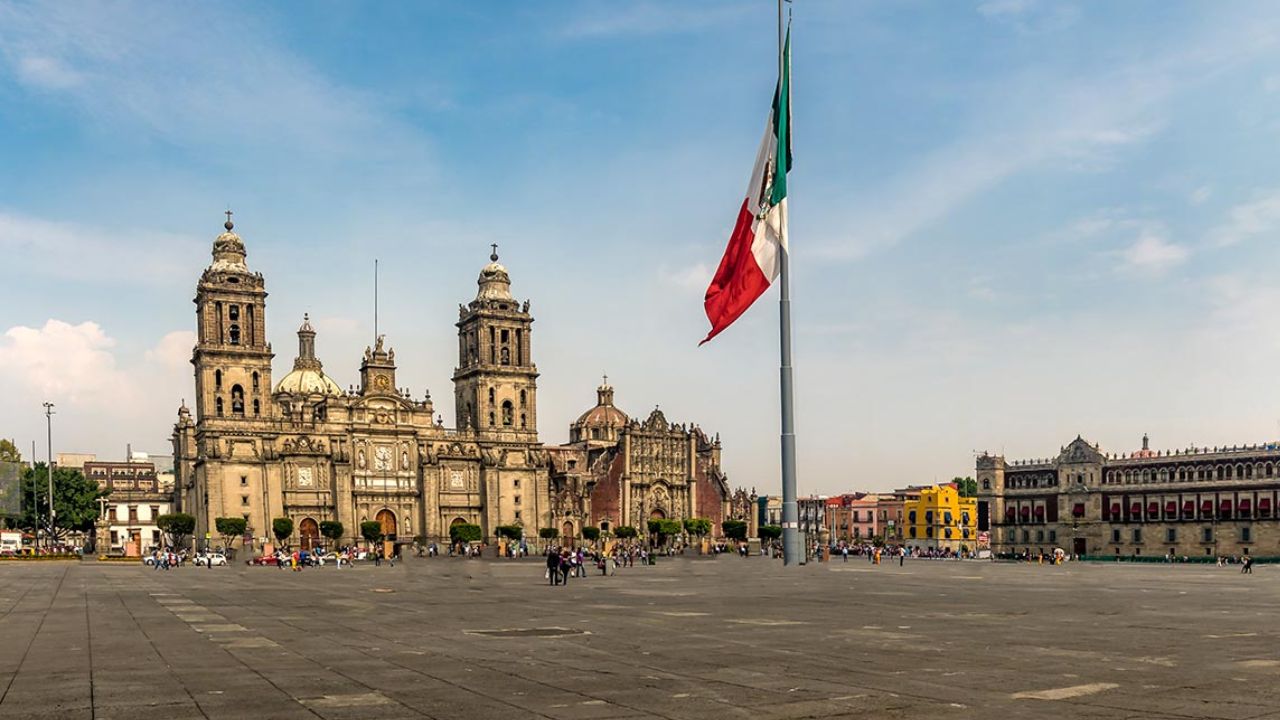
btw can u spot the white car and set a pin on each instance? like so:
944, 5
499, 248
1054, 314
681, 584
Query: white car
214, 559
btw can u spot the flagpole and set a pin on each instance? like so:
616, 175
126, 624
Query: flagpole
791, 550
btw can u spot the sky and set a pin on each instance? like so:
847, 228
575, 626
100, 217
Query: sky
1012, 222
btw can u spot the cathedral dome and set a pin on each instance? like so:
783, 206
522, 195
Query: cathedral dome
494, 282
307, 376
601, 422
228, 250
308, 381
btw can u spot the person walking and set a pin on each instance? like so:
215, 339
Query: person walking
553, 567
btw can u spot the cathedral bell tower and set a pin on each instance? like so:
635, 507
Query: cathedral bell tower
232, 357
495, 383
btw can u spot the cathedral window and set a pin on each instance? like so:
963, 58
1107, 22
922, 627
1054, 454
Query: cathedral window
237, 400
523, 424
506, 355
255, 382
491, 395
233, 313
491, 423
320, 413
217, 379
257, 408
519, 348
235, 334
251, 326
218, 404
595, 433
507, 413
522, 398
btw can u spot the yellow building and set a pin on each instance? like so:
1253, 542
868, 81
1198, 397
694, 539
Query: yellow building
941, 519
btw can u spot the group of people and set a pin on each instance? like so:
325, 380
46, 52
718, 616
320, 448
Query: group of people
167, 559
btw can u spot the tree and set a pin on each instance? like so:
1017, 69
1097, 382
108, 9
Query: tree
176, 525
967, 486
591, 533
230, 528
548, 533
465, 533
654, 526
770, 532
510, 532
282, 528
75, 500
734, 529
697, 527
331, 529
371, 531
625, 532
9, 452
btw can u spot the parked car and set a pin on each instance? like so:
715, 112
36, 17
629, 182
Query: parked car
213, 559
263, 560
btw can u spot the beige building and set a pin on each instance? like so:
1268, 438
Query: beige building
1192, 502
303, 448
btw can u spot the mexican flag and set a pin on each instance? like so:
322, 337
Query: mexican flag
751, 261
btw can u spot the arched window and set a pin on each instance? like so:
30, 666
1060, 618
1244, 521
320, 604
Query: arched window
506, 355
257, 408
218, 404
522, 422
237, 400
490, 394
986, 484
491, 423
217, 379
235, 334
508, 416
255, 381
233, 313
521, 398
320, 413
251, 323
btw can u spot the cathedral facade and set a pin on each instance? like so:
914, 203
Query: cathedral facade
305, 449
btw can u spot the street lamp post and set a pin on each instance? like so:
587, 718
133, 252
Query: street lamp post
53, 514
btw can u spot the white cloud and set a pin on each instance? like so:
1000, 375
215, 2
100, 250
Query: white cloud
611, 20
64, 361
1153, 254
200, 76
71, 251
173, 352
46, 72
1200, 194
690, 277
1246, 220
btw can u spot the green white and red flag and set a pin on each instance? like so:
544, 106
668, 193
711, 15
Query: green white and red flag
752, 259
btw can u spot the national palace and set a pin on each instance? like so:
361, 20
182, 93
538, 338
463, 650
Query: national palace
305, 449
1218, 501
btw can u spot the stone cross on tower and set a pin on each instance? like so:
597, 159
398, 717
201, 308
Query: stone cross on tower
494, 255
229, 224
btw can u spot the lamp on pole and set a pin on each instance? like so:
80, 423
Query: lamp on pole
48, 415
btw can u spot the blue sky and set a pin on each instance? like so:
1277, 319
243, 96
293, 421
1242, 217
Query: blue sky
1012, 221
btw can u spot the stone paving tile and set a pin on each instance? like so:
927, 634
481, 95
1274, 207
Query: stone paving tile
686, 639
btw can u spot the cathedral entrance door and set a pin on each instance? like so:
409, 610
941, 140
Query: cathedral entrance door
308, 533
657, 514
387, 519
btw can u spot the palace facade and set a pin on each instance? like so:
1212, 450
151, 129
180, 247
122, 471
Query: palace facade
1193, 502
305, 449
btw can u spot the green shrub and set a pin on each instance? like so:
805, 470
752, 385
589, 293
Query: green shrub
282, 528
371, 530
591, 533
510, 532
548, 533
625, 532
465, 532
770, 532
734, 529
331, 529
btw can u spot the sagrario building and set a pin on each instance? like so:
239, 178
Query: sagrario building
1197, 502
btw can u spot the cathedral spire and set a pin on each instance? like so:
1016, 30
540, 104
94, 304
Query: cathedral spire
306, 345
228, 249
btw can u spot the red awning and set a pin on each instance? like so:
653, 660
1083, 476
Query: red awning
1224, 504
1245, 505
1153, 508
1026, 511
1115, 509
1264, 503
1010, 512
1078, 510
1039, 510
1135, 509
1206, 506
1171, 508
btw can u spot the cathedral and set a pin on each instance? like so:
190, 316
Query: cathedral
305, 449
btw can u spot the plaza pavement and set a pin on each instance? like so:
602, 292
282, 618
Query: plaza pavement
690, 638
